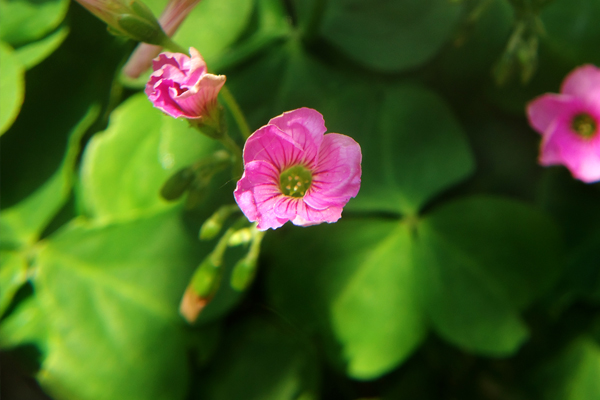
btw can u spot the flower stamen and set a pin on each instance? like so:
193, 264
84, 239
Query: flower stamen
584, 125
295, 181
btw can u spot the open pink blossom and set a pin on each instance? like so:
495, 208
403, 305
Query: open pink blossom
293, 172
570, 124
181, 87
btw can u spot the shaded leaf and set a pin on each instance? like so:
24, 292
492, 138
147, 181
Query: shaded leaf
33, 53
261, 360
23, 223
389, 35
484, 259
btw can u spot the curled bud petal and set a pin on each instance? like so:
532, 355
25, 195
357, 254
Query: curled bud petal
180, 86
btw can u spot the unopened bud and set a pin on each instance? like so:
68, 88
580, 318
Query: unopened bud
177, 184
213, 225
191, 305
241, 236
206, 278
243, 273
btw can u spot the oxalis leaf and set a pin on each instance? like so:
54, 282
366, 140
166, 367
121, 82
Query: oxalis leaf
389, 35
260, 360
372, 287
124, 167
109, 296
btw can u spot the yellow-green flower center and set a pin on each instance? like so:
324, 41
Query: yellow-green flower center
295, 181
584, 125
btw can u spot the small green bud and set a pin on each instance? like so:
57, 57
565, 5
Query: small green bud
206, 278
243, 273
241, 236
177, 184
213, 225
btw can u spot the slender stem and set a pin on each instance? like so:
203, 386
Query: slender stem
235, 150
235, 109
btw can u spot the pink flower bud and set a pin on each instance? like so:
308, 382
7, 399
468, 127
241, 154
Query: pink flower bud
170, 20
570, 124
293, 172
181, 87
108, 11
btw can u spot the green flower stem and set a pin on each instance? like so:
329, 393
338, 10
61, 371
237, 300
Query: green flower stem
238, 166
235, 109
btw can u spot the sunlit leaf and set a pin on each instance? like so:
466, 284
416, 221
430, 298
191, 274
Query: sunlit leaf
12, 80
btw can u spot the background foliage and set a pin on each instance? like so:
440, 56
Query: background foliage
461, 270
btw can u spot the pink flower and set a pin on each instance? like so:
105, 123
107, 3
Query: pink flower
570, 124
170, 19
293, 172
181, 87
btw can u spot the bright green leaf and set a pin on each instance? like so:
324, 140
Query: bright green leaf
24, 222
110, 296
260, 360
390, 35
13, 274
376, 316
481, 260
125, 166
33, 53
12, 82
27, 20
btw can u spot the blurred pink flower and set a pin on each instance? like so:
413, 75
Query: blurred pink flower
181, 87
293, 172
570, 124
170, 19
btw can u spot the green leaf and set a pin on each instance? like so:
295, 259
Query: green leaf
13, 274
417, 150
572, 30
355, 282
125, 166
110, 296
212, 26
378, 303
573, 375
23, 223
27, 20
371, 287
389, 35
27, 324
260, 360
33, 53
12, 80
482, 260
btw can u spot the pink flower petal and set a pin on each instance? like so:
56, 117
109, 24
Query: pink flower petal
543, 110
270, 144
306, 127
180, 86
583, 82
337, 176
